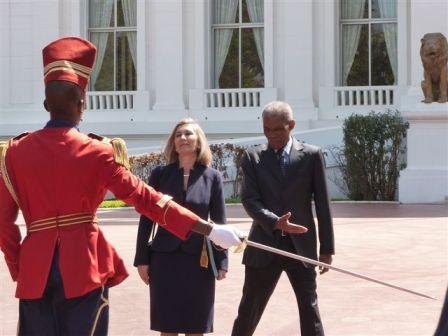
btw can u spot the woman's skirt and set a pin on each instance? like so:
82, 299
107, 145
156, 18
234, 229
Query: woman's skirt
182, 293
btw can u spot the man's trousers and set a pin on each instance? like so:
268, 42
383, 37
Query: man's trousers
259, 284
54, 315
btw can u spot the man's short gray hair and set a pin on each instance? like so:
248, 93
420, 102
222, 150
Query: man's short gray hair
278, 109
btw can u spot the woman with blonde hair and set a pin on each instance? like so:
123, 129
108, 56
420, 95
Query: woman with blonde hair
181, 274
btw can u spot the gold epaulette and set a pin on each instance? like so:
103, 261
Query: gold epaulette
20, 136
119, 145
3, 149
120, 152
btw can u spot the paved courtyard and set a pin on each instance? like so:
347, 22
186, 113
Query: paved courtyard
403, 244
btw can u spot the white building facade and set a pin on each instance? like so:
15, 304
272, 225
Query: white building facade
220, 61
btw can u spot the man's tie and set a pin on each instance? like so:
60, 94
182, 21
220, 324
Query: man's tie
282, 161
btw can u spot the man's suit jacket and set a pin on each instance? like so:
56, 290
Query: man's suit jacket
267, 195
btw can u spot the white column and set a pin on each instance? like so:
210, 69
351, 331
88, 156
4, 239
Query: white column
29, 26
268, 43
142, 97
297, 19
169, 100
5, 37
21, 52
326, 46
70, 18
196, 95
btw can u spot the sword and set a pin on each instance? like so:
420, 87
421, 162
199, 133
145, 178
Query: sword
246, 242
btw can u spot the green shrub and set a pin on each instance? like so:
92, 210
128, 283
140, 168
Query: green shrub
372, 156
233, 200
113, 204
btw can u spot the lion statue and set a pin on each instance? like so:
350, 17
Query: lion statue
434, 55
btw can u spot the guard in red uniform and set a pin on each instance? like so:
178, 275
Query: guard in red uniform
58, 177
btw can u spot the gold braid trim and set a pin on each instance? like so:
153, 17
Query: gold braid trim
3, 149
100, 309
69, 65
120, 152
168, 206
164, 200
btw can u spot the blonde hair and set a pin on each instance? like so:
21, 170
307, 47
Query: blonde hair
204, 154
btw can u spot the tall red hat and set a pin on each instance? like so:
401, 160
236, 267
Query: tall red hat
69, 59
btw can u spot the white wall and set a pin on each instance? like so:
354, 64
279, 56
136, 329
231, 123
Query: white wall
173, 64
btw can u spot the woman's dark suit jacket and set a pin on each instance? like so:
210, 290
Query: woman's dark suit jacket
204, 197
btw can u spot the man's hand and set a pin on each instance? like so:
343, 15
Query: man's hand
325, 258
284, 224
143, 271
226, 236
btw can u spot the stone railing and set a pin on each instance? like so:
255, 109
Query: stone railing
358, 96
232, 98
110, 100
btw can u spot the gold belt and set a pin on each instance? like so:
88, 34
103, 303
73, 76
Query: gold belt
61, 221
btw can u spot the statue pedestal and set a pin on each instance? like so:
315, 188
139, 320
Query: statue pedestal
425, 179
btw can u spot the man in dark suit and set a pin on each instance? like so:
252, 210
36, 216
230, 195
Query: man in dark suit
280, 181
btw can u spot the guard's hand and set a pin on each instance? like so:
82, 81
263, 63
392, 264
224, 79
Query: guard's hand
226, 236
143, 271
221, 274
325, 258
284, 224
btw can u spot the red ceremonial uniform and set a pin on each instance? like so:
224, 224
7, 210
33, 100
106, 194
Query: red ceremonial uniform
60, 177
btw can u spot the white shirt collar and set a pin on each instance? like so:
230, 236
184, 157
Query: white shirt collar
287, 148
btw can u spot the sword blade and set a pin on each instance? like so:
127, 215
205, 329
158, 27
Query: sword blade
334, 268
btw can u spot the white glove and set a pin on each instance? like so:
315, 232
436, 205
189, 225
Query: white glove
226, 236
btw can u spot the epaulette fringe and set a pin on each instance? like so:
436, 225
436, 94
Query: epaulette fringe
4, 173
3, 148
120, 152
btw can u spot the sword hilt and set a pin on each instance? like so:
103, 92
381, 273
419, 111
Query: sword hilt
243, 237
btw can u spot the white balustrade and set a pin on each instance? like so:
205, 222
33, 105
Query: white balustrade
356, 96
232, 98
110, 100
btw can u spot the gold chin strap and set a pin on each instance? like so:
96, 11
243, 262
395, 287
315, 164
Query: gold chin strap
3, 149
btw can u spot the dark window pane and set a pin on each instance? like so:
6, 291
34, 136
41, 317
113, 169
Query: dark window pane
101, 13
127, 13
384, 9
226, 58
102, 78
126, 74
253, 11
252, 74
244, 12
226, 11
354, 9
355, 65
382, 73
